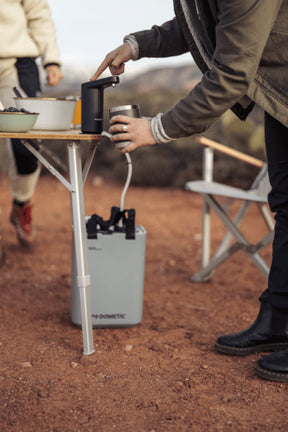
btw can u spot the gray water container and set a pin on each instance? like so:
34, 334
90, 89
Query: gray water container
116, 267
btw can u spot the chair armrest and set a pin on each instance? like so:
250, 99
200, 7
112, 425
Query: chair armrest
229, 151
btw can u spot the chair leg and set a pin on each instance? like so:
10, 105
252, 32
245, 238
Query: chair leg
223, 252
229, 236
206, 235
205, 273
208, 161
245, 245
267, 216
207, 266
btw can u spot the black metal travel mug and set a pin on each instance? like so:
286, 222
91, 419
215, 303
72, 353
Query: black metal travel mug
127, 110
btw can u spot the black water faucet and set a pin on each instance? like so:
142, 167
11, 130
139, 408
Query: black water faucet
92, 104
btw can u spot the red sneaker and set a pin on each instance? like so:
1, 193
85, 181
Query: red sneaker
21, 218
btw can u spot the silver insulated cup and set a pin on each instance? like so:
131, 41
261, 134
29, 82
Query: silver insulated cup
127, 110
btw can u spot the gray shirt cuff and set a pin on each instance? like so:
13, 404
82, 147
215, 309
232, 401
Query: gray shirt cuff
131, 40
158, 132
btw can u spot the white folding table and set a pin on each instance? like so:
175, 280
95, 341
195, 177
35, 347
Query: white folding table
77, 176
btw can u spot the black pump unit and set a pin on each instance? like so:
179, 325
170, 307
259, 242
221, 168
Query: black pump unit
92, 103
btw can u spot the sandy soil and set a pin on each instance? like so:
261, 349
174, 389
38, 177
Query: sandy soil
161, 375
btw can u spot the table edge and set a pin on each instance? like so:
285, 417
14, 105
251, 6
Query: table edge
70, 135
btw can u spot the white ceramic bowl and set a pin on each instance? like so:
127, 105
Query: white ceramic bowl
54, 114
17, 121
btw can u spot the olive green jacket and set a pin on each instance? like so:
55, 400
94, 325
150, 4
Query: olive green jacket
241, 46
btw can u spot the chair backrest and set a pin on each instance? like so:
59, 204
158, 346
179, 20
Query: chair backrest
261, 184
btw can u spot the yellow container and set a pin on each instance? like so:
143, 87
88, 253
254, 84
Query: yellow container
77, 115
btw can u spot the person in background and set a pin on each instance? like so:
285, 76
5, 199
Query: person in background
242, 49
26, 33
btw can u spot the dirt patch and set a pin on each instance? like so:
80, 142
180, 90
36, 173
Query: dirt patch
162, 375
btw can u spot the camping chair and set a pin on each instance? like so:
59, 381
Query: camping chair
209, 189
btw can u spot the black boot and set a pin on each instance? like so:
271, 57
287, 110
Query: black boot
267, 333
273, 367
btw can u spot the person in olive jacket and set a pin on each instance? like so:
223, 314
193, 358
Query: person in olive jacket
241, 48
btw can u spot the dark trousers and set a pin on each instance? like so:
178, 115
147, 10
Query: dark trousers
28, 76
276, 138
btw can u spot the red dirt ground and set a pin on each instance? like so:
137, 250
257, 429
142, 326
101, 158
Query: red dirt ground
162, 375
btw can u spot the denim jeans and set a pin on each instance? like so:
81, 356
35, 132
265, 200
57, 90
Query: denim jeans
276, 139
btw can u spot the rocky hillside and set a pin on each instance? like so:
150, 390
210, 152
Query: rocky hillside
175, 78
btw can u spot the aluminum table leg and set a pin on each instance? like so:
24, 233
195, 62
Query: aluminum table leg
80, 240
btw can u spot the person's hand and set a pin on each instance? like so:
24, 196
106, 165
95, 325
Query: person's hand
53, 75
137, 131
115, 60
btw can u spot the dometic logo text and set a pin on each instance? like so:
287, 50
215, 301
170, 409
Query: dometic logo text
109, 316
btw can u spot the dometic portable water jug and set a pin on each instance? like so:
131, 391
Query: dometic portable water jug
92, 100
116, 267
116, 261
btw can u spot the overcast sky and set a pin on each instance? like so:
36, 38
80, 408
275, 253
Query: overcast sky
88, 29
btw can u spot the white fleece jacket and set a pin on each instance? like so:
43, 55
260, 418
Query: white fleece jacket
27, 30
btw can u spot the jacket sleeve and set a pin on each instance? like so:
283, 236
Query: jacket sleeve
242, 31
42, 30
161, 41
